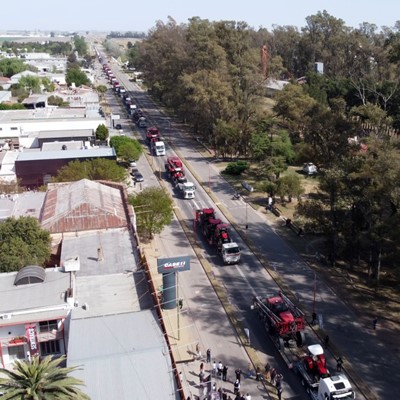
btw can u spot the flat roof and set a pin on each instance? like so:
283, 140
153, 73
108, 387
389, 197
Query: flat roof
45, 295
66, 154
71, 145
21, 204
117, 252
111, 294
123, 356
67, 133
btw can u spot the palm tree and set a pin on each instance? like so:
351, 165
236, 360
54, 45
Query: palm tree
41, 380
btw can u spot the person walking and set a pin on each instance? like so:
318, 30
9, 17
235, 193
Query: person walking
201, 376
208, 353
339, 364
238, 373
198, 351
279, 392
258, 374
278, 380
224, 373
374, 322
249, 370
236, 387
267, 369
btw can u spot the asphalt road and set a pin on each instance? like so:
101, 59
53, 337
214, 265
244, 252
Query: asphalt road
358, 344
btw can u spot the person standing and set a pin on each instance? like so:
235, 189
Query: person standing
374, 322
279, 392
258, 374
224, 373
220, 368
236, 386
249, 370
214, 370
339, 364
198, 351
273, 375
208, 355
238, 373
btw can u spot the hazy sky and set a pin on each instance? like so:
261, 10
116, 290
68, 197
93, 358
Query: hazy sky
123, 15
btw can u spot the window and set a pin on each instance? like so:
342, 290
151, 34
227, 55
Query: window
48, 326
50, 347
16, 353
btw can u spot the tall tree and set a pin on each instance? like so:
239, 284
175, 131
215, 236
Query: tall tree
41, 379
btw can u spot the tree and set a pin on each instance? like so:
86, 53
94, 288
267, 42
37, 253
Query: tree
101, 132
80, 45
75, 75
289, 185
154, 210
97, 169
126, 148
41, 379
101, 89
22, 242
30, 83
56, 101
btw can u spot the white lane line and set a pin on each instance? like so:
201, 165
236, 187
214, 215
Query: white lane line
240, 271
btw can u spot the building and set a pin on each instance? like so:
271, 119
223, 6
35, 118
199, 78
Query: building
36, 168
33, 308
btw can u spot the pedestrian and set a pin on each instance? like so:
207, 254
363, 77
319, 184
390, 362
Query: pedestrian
280, 390
278, 380
201, 367
214, 368
300, 232
224, 373
258, 374
180, 303
236, 386
201, 376
248, 397
374, 322
273, 375
180, 377
224, 395
314, 318
208, 355
267, 369
198, 351
326, 341
220, 367
339, 364
238, 373
237, 397
249, 370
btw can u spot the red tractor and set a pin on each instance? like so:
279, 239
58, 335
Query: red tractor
174, 168
283, 320
151, 134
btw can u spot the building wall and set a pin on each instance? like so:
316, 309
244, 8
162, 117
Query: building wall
33, 173
50, 341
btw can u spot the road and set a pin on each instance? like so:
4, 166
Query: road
357, 344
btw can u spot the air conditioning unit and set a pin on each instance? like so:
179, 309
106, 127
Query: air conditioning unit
5, 316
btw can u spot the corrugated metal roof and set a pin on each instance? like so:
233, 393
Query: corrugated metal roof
66, 154
81, 206
66, 133
123, 356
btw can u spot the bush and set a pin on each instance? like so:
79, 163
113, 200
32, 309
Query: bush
236, 167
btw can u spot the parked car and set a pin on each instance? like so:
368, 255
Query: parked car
132, 163
310, 168
137, 177
118, 127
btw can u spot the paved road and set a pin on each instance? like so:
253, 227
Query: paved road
358, 343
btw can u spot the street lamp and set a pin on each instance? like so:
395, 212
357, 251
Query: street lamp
209, 176
247, 226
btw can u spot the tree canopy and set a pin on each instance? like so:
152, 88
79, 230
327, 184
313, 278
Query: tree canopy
41, 379
97, 169
23, 242
101, 132
154, 210
126, 148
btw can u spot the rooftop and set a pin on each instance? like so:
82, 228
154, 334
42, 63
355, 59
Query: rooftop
119, 359
111, 294
22, 204
20, 302
116, 252
66, 154
70, 145
66, 133
81, 206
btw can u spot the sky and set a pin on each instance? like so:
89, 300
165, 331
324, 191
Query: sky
131, 15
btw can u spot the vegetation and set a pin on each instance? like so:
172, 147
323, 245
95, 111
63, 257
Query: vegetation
51, 47
236, 168
41, 379
76, 76
343, 120
101, 132
154, 210
57, 101
15, 106
80, 45
97, 169
12, 66
23, 242
126, 148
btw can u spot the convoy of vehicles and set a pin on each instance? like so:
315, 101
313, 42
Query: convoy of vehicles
216, 233
285, 324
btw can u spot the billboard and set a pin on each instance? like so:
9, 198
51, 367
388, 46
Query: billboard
33, 345
173, 264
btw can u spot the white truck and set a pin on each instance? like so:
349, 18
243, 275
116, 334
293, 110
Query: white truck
187, 189
230, 253
335, 387
158, 148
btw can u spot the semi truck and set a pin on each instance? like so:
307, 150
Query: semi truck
158, 148
285, 325
186, 189
216, 233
